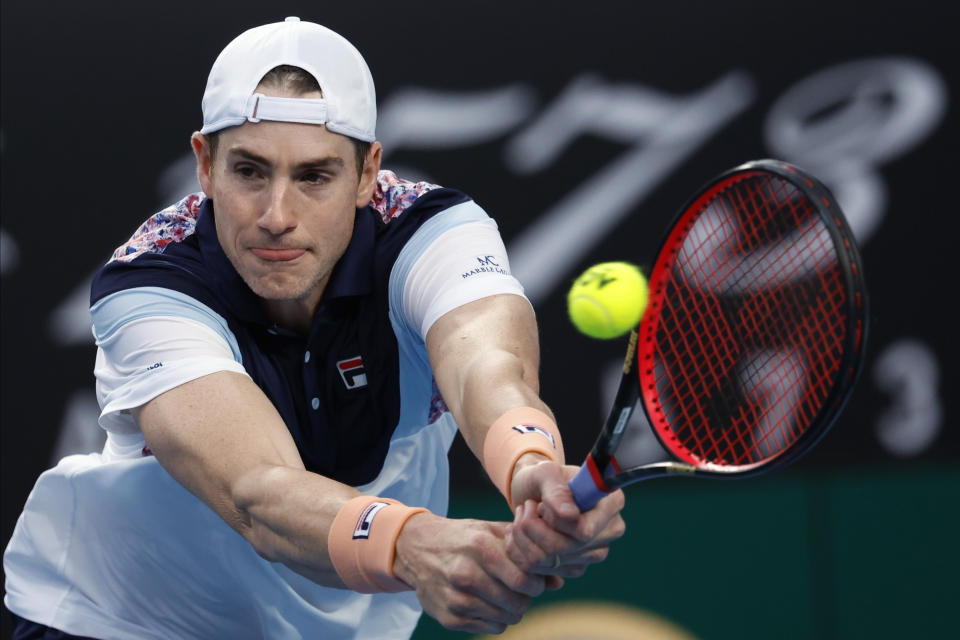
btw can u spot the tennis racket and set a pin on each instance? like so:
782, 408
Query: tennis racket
753, 337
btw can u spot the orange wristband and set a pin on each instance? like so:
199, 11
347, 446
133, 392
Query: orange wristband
518, 431
363, 543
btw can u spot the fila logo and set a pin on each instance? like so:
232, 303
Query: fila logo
532, 428
362, 529
353, 373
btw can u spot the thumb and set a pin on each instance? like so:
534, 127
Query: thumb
557, 501
499, 529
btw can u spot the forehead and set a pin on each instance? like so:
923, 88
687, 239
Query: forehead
285, 142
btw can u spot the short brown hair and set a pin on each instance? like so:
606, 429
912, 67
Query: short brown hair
298, 82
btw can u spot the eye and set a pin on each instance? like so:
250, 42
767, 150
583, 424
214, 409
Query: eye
315, 177
246, 171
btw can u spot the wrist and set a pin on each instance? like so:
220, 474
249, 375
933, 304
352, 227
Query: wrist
525, 461
362, 543
418, 528
519, 438
529, 459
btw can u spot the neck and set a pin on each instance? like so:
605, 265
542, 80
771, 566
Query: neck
295, 314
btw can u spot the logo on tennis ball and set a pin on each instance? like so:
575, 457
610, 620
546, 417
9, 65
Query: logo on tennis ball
608, 299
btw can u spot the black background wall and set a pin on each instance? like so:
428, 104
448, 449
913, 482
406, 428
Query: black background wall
581, 127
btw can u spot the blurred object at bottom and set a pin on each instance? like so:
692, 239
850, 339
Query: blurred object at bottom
585, 620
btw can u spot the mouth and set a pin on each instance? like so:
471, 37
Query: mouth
277, 255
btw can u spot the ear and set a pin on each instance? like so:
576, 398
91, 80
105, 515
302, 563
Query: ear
201, 150
368, 177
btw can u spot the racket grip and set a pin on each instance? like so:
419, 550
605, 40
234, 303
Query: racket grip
586, 493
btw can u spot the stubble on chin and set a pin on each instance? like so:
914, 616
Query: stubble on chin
275, 287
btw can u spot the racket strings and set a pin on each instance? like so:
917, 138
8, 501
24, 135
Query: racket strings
750, 338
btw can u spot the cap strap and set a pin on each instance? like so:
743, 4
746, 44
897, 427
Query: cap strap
304, 110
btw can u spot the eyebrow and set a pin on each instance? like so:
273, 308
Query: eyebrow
313, 163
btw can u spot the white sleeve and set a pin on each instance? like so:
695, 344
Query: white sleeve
462, 264
148, 344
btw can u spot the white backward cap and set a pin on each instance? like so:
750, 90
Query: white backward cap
349, 103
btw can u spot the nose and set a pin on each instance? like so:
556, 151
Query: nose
279, 216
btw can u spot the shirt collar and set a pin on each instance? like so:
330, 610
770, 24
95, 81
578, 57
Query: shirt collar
352, 275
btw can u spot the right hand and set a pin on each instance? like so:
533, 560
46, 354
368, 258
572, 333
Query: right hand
549, 535
462, 573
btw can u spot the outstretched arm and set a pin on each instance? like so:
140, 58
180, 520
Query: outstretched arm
222, 439
485, 357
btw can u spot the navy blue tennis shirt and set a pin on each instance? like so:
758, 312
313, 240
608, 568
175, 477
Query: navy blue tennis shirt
337, 390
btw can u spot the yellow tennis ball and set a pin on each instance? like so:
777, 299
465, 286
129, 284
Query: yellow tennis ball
608, 299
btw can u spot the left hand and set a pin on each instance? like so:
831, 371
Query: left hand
462, 574
549, 535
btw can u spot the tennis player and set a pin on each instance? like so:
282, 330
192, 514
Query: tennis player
283, 362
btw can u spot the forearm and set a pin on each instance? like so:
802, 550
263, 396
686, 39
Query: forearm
495, 384
221, 439
492, 390
486, 357
286, 514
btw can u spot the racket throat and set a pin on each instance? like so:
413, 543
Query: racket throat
599, 473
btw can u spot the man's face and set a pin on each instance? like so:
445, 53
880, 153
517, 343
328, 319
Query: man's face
285, 196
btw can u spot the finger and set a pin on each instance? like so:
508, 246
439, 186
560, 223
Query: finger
556, 554
614, 530
597, 549
567, 524
570, 565
593, 523
571, 570
532, 554
547, 542
474, 603
544, 543
557, 498
507, 577
576, 567
518, 582
470, 625
521, 550
476, 588
614, 527
559, 508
